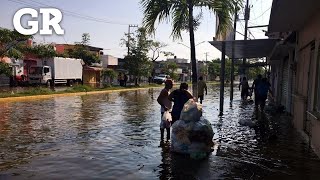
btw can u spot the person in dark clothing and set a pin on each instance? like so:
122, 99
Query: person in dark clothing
254, 87
125, 80
179, 97
263, 88
120, 80
245, 88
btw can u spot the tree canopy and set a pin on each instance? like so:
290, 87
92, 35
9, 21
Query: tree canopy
170, 68
137, 61
82, 51
181, 14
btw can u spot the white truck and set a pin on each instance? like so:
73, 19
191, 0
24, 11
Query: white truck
56, 70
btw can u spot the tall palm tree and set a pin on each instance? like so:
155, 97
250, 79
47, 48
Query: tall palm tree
181, 13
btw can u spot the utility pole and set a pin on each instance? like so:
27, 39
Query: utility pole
129, 33
206, 56
246, 18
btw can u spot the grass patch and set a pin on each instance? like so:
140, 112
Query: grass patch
36, 91
79, 88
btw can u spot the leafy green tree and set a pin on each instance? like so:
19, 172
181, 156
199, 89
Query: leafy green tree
254, 72
81, 51
42, 51
170, 68
181, 13
108, 75
85, 39
155, 48
137, 61
215, 66
204, 70
5, 69
12, 43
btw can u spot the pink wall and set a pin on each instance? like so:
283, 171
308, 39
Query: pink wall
310, 32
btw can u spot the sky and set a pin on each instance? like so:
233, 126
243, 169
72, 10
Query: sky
118, 14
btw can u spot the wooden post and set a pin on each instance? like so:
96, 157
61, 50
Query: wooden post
222, 74
232, 74
232, 59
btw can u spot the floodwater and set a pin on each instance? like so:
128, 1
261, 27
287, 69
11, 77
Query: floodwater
116, 136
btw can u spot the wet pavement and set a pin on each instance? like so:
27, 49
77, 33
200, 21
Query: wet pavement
116, 136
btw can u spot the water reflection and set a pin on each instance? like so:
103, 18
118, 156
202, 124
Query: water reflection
116, 136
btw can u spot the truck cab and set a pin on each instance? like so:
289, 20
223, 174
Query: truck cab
40, 75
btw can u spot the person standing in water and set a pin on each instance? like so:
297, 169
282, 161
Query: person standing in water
179, 97
166, 105
254, 87
202, 86
245, 88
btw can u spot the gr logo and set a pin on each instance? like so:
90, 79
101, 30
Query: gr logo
33, 25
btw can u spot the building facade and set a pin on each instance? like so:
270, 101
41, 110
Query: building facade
295, 64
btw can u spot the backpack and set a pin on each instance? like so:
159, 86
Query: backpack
263, 88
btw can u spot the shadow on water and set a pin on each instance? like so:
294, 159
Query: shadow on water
116, 136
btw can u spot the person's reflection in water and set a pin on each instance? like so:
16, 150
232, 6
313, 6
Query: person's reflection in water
151, 93
165, 166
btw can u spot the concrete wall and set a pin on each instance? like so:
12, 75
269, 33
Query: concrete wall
107, 60
306, 120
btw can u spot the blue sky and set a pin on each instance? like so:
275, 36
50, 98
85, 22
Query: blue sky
127, 12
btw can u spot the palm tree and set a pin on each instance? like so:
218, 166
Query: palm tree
181, 13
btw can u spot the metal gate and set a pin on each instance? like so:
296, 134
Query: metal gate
285, 85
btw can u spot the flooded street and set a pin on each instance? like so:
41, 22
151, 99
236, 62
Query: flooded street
116, 136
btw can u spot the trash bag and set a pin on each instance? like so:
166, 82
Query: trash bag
192, 134
191, 111
167, 116
166, 120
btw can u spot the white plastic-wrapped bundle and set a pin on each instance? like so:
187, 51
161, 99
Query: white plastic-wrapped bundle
192, 134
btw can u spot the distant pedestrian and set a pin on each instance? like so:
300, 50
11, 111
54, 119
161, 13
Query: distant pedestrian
202, 86
254, 87
263, 88
166, 105
120, 79
244, 88
125, 79
179, 97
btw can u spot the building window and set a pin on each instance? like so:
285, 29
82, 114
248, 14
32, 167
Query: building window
46, 70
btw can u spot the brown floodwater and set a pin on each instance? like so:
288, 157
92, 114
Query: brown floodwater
116, 136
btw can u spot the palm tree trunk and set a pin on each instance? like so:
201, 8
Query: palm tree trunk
193, 52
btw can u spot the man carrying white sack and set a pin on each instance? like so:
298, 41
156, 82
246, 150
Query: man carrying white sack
192, 134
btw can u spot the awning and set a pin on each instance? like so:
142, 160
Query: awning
90, 68
291, 15
256, 48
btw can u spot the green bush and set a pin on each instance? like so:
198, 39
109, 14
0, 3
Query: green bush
37, 91
81, 88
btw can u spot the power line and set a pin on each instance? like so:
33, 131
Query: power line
69, 13
251, 34
261, 14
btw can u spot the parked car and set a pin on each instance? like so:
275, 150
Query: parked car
161, 78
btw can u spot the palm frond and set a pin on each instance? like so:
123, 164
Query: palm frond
180, 18
224, 10
155, 10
